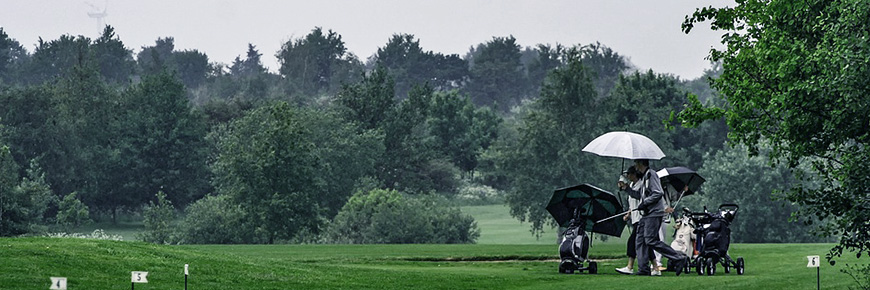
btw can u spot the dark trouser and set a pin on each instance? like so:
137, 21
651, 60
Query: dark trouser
648, 239
631, 246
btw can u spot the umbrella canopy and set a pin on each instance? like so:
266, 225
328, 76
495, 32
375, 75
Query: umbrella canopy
678, 178
625, 145
594, 204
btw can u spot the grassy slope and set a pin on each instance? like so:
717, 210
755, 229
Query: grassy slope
90, 264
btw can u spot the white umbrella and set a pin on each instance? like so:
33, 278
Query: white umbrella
626, 145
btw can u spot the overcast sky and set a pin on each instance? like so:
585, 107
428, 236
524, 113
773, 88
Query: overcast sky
646, 31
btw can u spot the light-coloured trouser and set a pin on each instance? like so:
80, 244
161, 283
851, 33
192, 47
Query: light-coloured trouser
658, 255
647, 238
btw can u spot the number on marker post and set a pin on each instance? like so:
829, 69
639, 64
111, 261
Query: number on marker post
139, 277
58, 283
813, 261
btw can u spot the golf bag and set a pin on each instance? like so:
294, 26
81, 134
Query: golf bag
717, 238
574, 248
683, 236
713, 238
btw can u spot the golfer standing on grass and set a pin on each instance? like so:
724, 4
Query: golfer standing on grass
652, 210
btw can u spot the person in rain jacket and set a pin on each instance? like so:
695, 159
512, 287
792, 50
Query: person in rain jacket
652, 210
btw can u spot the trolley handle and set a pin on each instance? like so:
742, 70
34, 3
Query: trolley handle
729, 205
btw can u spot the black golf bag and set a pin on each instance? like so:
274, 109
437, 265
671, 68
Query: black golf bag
713, 238
717, 238
574, 248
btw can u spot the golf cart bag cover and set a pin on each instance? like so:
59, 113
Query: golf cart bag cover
718, 237
574, 245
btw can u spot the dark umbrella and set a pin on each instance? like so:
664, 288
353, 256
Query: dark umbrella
678, 178
593, 203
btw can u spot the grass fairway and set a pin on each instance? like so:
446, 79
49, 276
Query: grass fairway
92, 264
507, 257
498, 227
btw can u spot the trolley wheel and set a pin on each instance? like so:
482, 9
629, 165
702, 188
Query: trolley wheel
726, 264
711, 267
740, 265
593, 267
699, 266
686, 269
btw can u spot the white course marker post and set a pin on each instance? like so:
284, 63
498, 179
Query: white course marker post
58, 283
185, 276
138, 277
814, 263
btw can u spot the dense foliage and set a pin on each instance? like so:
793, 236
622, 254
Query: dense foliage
389, 217
249, 155
749, 182
795, 79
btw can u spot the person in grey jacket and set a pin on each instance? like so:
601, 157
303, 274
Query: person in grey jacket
652, 209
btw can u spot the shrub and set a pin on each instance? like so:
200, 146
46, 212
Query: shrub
216, 220
389, 217
23, 204
478, 194
72, 212
158, 220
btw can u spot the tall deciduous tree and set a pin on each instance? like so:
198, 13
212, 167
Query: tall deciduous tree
27, 118
154, 59
545, 154
345, 155
85, 158
163, 142
460, 130
317, 63
369, 102
409, 65
544, 58
498, 78
12, 57
639, 103
250, 66
795, 76
115, 61
9, 200
409, 148
607, 64
51, 59
267, 165
190, 66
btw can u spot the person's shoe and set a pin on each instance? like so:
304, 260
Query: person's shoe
655, 272
681, 265
624, 270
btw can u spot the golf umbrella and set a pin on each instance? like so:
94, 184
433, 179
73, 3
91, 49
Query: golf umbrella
594, 204
626, 145
678, 178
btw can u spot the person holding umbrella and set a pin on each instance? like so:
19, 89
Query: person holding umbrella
633, 216
652, 210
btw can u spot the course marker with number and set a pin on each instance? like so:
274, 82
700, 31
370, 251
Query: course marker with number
58, 283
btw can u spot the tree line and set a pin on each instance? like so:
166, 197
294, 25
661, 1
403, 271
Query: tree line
328, 144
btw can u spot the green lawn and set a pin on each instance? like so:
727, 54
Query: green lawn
506, 257
92, 264
498, 227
